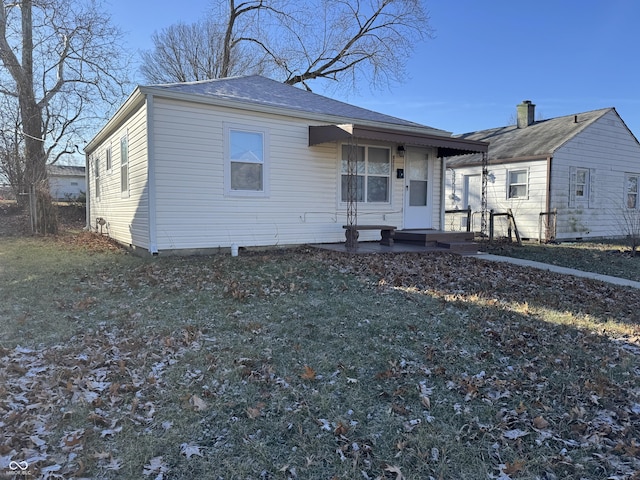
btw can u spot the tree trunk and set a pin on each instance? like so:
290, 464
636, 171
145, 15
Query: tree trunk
45, 220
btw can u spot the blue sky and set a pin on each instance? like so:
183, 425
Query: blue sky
566, 56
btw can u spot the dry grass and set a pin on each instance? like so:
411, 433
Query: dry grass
308, 364
605, 257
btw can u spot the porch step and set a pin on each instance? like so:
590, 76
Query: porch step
463, 248
458, 242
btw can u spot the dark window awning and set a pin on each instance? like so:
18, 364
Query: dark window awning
447, 146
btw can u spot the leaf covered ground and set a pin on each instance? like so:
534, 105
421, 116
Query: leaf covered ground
312, 365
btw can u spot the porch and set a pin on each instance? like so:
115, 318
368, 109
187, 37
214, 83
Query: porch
414, 240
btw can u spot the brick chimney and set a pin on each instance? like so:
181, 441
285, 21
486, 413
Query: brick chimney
526, 113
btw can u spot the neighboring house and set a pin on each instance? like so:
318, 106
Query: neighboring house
66, 182
254, 162
585, 167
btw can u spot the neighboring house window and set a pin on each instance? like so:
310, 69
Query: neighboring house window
581, 187
582, 184
124, 165
247, 157
96, 175
632, 190
518, 180
108, 158
373, 174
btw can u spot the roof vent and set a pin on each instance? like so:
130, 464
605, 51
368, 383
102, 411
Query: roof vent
526, 113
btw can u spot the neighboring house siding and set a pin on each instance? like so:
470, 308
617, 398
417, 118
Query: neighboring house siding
303, 201
607, 152
526, 210
67, 187
126, 214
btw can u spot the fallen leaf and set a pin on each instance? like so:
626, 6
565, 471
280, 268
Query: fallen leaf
309, 373
156, 466
189, 450
515, 467
198, 404
396, 470
514, 434
540, 423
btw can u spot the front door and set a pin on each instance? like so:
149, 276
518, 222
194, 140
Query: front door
418, 205
473, 198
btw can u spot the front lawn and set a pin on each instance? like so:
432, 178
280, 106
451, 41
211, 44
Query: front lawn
305, 364
605, 257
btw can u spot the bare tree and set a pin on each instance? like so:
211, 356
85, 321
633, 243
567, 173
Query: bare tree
12, 164
297, 42
192, 52
60, 62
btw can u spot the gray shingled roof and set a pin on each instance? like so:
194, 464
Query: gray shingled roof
255, 89
65, 170
541, 138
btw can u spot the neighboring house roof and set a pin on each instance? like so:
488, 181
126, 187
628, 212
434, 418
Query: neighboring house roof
65, 170
258, 90
538, 140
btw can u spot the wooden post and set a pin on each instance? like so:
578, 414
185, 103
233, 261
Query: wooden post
490, 225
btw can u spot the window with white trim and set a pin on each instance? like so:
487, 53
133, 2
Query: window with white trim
631, 190
518, 183
373, 174
582, 184
124, 165
96, 175
246, 159
108, 158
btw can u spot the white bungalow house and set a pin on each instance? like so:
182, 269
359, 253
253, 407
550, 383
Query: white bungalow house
581, 171
66, 182
253, 162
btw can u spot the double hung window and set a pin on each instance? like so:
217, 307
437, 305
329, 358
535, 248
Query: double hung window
372, 174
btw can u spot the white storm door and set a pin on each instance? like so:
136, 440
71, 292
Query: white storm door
473, 192
418, 206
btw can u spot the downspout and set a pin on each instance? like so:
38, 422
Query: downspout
151, 178
443, 174
87, 206
548, 202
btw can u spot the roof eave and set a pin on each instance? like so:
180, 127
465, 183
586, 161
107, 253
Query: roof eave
447, 146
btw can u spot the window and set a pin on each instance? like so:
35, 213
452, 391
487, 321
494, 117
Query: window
96, 175
582, 184
246, 158
373, 174
108, 158
581, 187
517, 187
631, 190
124, 165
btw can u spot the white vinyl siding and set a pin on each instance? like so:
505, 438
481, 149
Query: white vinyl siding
501, 177
609, 152
126, 216
303, 203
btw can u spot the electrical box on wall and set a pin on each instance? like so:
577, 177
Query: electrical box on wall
400, 173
